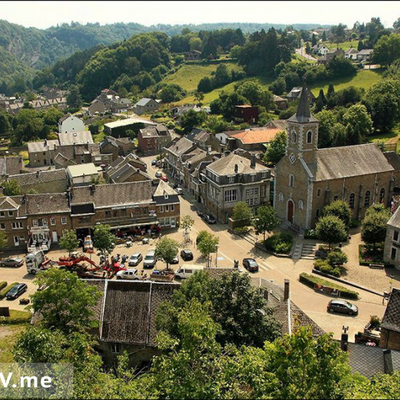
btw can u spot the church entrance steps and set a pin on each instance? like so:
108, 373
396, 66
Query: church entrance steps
308, 251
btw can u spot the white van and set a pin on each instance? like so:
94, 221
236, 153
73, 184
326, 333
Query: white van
187, 270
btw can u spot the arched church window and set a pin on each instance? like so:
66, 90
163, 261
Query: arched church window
382, 195
367, 198
309, 137
291, 180
352, 198
294, 136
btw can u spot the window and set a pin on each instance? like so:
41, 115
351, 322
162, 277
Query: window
294, 136
301, 205
393, 253
352, 200
319, 193
64, 220
172, 207
367, 198
116, 348
253, 177
166, 221
167, 208
396, 236
115, 213
35, 222
52, 221
309, 137
2, 214
230, 195
291, 180
335, 198
10, 213
108, 214
17, 225
280, 197
161, 209
231, 179
44, 221
317, 213
382, 196
123, 212
2, 226
262, 191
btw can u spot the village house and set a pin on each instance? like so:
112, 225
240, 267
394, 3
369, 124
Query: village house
391, 252
295, 94
82, 174
351, 54
364, 54
320, 49
146, 106
192, 55
308, 178
390, 325
70, 123
246, 114
96, 107
203, 139
116, 146
280, 102
153, 139
167, 205
127, 173
118, 128
329, 56
235, 178
10, 165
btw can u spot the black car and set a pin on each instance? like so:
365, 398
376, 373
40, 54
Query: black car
16, 291
209, 219
187, 255
250, 264
342, 307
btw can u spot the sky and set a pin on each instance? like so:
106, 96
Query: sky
43, 14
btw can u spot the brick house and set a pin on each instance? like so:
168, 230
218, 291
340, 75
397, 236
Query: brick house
246, 113
235, 178
308, 178
153, 139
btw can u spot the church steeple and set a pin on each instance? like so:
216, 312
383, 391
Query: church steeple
303, 113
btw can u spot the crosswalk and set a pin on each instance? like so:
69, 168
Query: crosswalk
265, 267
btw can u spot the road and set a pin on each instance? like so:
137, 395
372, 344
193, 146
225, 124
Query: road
302, 53
233, 247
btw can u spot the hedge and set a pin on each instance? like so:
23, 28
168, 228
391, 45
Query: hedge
4, 291
311, 280
3, 284
280, 243
16, 317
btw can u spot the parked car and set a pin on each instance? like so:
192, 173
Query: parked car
175, 260
16, 291
186, 255
164, 178
153, 162
342, 307
250, 264
11, 262
135, 259
209, 218
130, 273
159, 174
150, 260
179, 190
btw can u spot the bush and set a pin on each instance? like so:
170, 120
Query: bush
310, 281
6, 289
323, 266
336, 258
16, 317
3, 284
310, 234
280, 243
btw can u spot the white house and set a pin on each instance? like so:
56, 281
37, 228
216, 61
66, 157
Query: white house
320, 49
82, 174
70, 123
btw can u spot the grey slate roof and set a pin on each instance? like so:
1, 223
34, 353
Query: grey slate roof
226, 165
39, 177
395, 219
10, 165
113, 194
62, 119
69, 138
123, 173
347, 161
163, 188
391, 318
47, 203
181, 147
393, 159
143, 102
43, 145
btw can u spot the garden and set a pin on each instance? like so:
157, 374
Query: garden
330, 261
369, 254
279, 243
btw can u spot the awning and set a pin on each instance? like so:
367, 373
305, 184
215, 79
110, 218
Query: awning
133, 225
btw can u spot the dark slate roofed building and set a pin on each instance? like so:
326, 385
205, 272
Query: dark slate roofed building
167, 205
11, 165
390, 325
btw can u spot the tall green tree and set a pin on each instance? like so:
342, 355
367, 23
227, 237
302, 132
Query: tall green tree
69, 241
276, 148
186, 223
242, 212
340, 209
266, 219
167, 249
358, 124
331, 229
373, 227
208, 244
12, 188
74, 99
103, 239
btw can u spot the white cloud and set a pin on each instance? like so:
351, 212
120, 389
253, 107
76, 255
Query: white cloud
43, 14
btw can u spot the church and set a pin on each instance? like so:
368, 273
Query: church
308, 178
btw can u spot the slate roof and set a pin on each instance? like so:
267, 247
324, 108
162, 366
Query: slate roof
181, 147
163, 188
63, 161
43, 145
393, 159
123, 173
391, 318
143, 102
395, 219
40, 177
69, 138
280, 124
47, 203
113, 194
10, 165
62, 119
303, 110
8, 203
129, 311
348, 161
226, 165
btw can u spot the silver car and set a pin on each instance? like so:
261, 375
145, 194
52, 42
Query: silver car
135, 259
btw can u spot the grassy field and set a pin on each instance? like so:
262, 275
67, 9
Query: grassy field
344, 45
8, 336
364, 79
189, 75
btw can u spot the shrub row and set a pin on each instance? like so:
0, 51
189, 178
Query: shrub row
16, 317
310, 281
3, 284
324, 266
280, 243
4, 291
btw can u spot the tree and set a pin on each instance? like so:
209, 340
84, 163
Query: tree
331, 90
358, 123
171, 92
67, 303
74, 100
103, 239
331, 229
195, 43
187, 222
205, 85
191, 119
69, 241
207, 244
199, 97
276, 148
373, 227
12, 188
242, 212
387, 49
340, 209
321, 101
167, 249
266, 219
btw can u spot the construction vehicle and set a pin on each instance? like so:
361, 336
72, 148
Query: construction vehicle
75, 259
37, 261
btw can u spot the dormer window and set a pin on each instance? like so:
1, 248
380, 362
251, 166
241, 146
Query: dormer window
294, 136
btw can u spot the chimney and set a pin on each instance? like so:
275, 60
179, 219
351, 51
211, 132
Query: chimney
236, 168
286, 290
344, 338
253, 161
387, 362
92, 188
